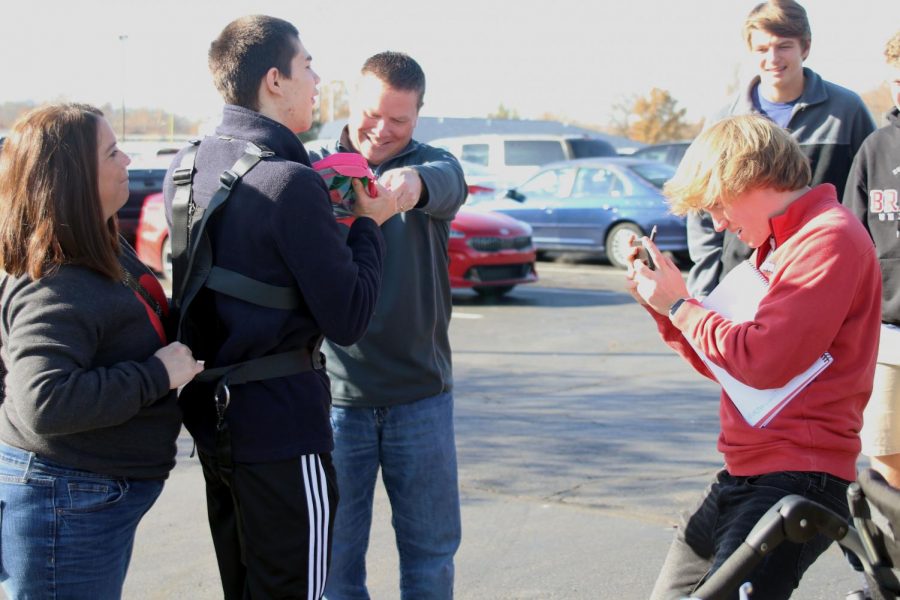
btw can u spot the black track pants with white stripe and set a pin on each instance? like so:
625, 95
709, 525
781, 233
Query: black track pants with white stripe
271, 526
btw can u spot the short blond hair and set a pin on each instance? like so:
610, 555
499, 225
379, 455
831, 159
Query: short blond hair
734, 156
892, 51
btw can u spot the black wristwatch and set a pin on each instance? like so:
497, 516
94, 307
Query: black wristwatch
675, 306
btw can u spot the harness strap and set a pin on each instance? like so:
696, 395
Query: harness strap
232, 283
227, 180
282, 364
182, 205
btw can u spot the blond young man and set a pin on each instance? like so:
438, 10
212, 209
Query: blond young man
828, 121
872, 195
823, 296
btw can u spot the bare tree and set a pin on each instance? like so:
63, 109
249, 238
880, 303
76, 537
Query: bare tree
620, 115
334, 102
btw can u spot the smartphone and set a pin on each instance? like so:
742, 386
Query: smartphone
642, 253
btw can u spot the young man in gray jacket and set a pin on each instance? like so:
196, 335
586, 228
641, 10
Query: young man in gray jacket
828, 121
392, 390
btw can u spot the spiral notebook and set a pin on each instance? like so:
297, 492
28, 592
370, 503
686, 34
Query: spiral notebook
737, 298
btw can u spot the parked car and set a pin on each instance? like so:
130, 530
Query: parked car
482, 183
669, 152
489, 252
593, 205
145, 178
152, 243
515, 157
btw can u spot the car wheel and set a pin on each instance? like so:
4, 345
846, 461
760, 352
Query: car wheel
165, 259
617, 243
497, 291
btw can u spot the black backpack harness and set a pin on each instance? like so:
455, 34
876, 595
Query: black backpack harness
194, 272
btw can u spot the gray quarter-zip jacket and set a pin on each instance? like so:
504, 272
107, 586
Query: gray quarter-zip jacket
405, 353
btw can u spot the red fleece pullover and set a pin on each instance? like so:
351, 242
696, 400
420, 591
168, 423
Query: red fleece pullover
824, 295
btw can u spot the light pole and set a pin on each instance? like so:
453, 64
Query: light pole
123, 38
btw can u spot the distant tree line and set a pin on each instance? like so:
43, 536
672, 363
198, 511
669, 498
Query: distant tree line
10, 111
139, 122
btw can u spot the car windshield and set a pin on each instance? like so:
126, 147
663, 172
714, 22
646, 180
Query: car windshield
553, 182
532, 152
587, 148
656, 174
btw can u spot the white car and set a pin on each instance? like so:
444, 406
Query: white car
516, 157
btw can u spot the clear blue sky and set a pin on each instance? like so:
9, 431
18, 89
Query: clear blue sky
571, 58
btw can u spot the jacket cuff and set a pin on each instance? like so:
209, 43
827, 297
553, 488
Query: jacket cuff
159, 378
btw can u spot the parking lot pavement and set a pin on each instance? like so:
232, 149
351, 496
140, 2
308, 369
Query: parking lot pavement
580, 439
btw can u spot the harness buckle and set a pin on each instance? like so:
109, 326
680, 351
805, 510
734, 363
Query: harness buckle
182, 175
257, 151
228, 178
222, 399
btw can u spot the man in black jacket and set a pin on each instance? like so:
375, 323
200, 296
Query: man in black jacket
270, 482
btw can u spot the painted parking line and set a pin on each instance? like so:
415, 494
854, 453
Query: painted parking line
579, 292
599, 270
464, 315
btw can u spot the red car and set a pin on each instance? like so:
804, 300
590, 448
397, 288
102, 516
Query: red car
489, 252
152, 242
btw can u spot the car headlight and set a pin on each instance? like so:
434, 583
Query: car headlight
457, 234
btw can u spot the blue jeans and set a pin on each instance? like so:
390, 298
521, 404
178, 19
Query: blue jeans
414, 446
66, 533
728, 510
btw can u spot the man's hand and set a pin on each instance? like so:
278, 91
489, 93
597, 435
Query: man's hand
657, 289
405, 185
379, 208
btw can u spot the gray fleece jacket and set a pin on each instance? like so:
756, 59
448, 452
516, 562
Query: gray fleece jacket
405, 354
83, 388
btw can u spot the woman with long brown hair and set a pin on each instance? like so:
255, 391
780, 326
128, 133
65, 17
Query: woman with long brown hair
89, 419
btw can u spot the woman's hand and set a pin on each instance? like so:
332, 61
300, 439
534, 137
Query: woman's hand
179, 363
659, 288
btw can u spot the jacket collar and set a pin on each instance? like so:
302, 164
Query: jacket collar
245, 124
798, 212
814, 92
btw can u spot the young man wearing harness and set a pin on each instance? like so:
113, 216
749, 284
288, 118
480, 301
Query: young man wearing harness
285, 276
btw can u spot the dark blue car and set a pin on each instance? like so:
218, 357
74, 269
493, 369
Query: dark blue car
594, 204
